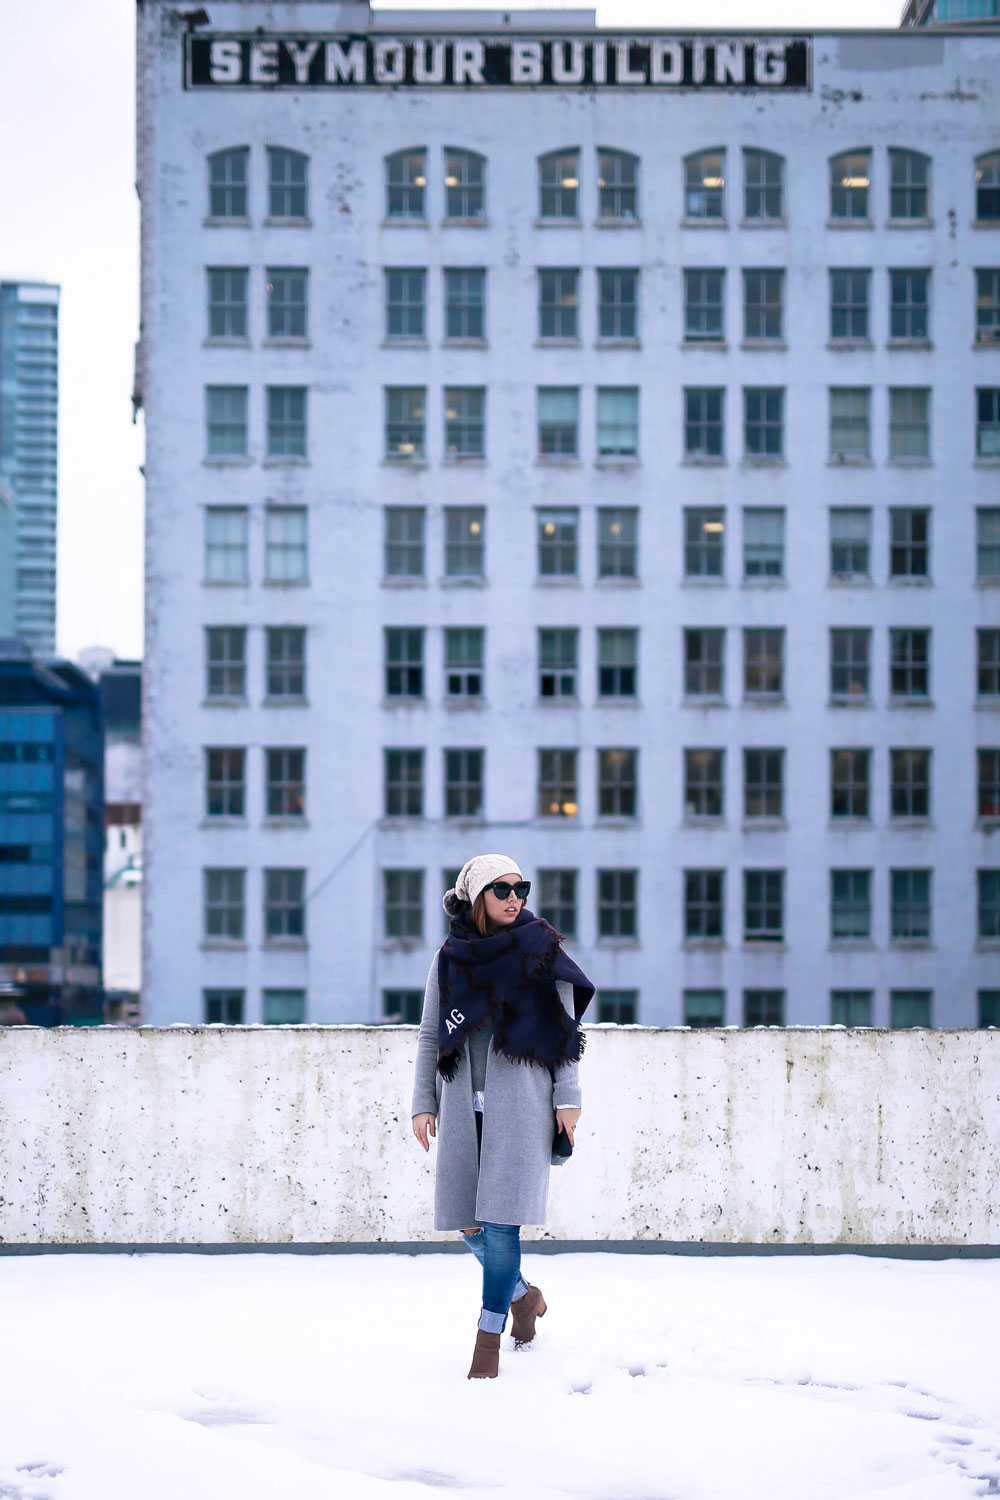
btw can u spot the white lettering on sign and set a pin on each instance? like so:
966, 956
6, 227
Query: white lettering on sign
341, 65
390, 61
467, 61
301, 58
698, 62
432, 72
453, 1021
770, 65
730, 58
625, 73
263, 62
600, 62
563, 71
667, 62
225, 62
526, 62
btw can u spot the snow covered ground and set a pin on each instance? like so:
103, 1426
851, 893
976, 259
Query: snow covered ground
287, 1377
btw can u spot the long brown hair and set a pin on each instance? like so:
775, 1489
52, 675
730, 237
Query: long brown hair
480, 920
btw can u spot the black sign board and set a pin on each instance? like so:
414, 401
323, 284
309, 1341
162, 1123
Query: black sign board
591, 61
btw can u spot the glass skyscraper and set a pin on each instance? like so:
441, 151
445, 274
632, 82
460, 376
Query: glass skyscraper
29, 394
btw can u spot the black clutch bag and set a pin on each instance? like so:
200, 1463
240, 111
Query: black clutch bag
561, 1143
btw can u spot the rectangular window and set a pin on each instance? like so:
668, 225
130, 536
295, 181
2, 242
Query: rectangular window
227, 183
558, 304
617, 778
703, 421
763, 784
227, 302
763, 185
463, 662
850, 905
226, 419
617, 542
988, 542
284, 905
557, 663
618, 304
224, 904
404, 662
557, 543
284, 1007
704, 662
557, 900
763, 1007
703, 783
763, 422
225, 783
988, 905
908, 185
617, 663
285, 784
403, 537
286, 549
909, 783
465, 303
405, 303
618, 1007
763, 906
287, 180
404, 783
617, 903
850, 1007
405, 416
558, 421
909, 664
988, 306
849, 783
909, 1008
850, 183
909, 422
558, 185
226, 544
988, 663
850, 663
617, 421
705, 185
988, 421
286, 421
763, 662
617, 185
704, 538
557, 793
404, 1007
222, 1007
763, 306
850, 427
909, 542
704, 1008
225, 661
909, 305
464, 541
850, 542
465, 184
704, 319
287, 302
463, 783
403, 903
703, 890
405, 183
849, 303
465, 421
988, 1002
285, 647
910, 905
763, 543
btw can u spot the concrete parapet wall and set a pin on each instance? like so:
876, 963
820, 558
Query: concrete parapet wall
264, 1135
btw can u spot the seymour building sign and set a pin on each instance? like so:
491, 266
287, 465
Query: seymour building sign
509, 61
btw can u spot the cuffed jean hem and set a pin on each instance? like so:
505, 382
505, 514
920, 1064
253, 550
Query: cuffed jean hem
492, 1322
475, 1244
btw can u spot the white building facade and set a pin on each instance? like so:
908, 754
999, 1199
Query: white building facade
585, 446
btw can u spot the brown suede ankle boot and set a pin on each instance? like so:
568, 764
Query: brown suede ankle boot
523, 1313
485, 1356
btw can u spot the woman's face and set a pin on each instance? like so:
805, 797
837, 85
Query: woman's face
502, 913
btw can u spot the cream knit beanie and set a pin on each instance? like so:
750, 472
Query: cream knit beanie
477, 873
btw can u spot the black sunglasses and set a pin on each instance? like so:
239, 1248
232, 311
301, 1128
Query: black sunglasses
502, 889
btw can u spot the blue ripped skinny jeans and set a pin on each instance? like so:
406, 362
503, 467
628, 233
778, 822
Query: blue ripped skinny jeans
497, 1247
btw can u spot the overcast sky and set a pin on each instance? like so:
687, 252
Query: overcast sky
68, 214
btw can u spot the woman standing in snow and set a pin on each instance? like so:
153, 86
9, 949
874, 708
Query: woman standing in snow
497, 1062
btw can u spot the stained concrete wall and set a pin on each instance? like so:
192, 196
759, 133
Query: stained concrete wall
302, 1134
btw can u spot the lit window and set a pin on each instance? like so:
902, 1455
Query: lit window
988, 188
850, 184
704, 186
406, 184
559, 185
465, 184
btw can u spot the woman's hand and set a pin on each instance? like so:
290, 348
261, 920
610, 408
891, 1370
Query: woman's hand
566, 1119
425, 1125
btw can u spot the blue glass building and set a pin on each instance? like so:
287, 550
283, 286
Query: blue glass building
51, 837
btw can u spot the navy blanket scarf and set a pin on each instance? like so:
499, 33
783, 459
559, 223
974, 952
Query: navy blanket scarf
509, 979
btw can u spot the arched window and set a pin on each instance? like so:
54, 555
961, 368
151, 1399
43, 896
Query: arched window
287, 183
464, 184
406, 184
850, 184
559, 184
763, 186
988, 188
909, 185
617, 185
705, 185
228, 178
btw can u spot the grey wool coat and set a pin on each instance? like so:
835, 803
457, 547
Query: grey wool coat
511, 1183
